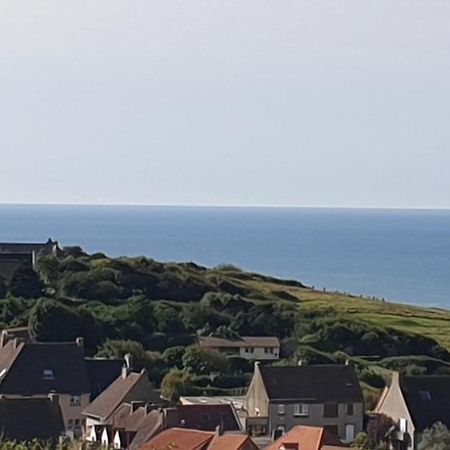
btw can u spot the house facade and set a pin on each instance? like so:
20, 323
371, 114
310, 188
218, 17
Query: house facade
414, 403
329, 396
247, 347
35, 369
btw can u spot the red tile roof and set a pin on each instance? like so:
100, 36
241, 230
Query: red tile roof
232, 442
178, 438
306, 438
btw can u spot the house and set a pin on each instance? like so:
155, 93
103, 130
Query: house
15, 254
180, 438
208, 417
282, 397
247, 347
132, 430
25, 419
415, 403
35, 369
306, 438
127, 388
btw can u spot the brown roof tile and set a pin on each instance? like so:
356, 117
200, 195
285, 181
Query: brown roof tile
135, 386
180, 438
232, 442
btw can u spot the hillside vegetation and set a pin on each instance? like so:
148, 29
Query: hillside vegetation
157, 310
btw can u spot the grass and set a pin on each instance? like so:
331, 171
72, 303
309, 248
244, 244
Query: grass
430, 322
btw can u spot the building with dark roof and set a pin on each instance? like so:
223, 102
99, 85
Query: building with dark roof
35, 369
25, 419
415, 403
247, 347
282, 397
18, 254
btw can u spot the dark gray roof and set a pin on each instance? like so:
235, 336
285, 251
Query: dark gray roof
428, 399
24, 419
102, 373
313, 383
23, 366
29, 247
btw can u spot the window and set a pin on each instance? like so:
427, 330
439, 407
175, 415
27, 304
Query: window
349, 432
70, 424
302, 409
48, 374
75, 400
403, 425
77, 423
350, 409
281, 409
330, 410
424, 395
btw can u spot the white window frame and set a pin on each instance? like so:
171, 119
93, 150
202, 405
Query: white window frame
281, 409
75, 400
301, 410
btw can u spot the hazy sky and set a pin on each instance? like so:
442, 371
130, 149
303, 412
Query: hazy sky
243, 102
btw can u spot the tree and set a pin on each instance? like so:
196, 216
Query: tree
177, 383
364, 442
52, 321
435, 438
202, 362
26, 283
174, 356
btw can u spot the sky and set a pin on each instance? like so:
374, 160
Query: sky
236, 102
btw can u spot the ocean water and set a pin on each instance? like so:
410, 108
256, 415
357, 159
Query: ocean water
401, 255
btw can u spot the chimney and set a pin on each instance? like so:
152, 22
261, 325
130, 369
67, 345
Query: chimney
3, 338
128, 357
54, 398
127, 367
219, 430
80, 342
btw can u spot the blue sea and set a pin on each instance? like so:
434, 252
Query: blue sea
401, 255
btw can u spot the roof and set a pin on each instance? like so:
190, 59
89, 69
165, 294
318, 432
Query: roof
244, 341
135, 386
40, 368
306, 438
208, 417
28, 247
427, 398
101, 373
321, 383
151, 424
180, 438
23, 419
232, 442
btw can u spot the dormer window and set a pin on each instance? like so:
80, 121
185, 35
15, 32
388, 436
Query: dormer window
424, 395
48, 374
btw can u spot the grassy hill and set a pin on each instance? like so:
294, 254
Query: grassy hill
157, 311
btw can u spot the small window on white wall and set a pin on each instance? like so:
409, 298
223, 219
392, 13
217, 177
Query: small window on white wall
301, 409
281, 409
